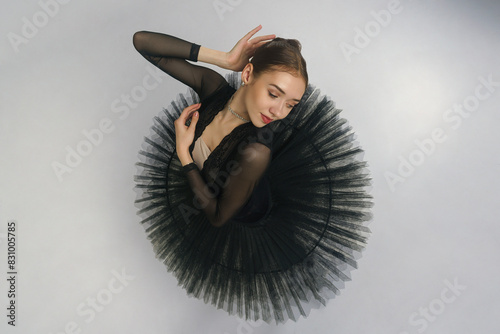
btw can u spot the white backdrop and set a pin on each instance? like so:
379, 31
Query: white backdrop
419, 81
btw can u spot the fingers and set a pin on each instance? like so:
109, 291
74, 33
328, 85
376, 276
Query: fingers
261, 43
257, 39
188, 110
186, 113
252, 32
194, 119
266, 38
192, 107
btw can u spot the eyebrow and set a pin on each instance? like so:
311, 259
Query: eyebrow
282, 92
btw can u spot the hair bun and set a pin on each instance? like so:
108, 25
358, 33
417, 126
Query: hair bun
288, 42
295, 43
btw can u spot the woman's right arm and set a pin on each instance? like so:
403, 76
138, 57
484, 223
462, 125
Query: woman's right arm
170, 53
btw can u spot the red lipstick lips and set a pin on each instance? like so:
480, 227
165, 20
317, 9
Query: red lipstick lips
265, 119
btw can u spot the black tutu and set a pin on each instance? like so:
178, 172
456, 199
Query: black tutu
303, 249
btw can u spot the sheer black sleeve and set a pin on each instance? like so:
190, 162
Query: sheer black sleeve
243, 176
169, 53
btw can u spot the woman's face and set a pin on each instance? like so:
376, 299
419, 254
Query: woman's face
272, 95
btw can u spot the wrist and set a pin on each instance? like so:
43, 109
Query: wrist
214, 57
187, 162
184, 157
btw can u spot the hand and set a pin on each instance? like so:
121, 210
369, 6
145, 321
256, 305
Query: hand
241, 53
184, 135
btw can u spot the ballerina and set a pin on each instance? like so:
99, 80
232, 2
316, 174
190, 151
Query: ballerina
256, 198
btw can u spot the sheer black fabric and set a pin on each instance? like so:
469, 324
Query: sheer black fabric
169, 53
293, 242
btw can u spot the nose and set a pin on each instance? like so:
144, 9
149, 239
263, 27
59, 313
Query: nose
277, 110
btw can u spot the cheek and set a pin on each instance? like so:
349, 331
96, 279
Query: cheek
257, 101
263, 101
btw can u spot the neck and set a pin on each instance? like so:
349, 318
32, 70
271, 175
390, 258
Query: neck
238, 107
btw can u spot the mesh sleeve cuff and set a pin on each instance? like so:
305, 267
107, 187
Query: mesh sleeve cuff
195, 49
190, 166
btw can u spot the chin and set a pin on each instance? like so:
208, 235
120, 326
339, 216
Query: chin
258, 124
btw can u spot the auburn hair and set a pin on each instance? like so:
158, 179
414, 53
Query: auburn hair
280, 54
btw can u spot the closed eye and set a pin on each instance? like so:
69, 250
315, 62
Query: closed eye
274, 97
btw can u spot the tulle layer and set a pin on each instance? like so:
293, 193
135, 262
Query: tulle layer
295, 258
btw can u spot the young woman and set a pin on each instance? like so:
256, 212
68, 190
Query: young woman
253, 198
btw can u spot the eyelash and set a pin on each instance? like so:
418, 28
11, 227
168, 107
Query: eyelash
274, 96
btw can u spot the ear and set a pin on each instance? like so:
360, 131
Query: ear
247, 74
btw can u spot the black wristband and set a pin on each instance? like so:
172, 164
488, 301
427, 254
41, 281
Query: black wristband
189, 166
193, 54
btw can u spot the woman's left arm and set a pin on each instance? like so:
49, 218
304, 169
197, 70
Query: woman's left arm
244, 174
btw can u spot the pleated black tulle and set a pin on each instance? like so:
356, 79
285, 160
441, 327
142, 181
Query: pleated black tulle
298, 255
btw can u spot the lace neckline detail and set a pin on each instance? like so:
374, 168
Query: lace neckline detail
222, 142
225, 92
